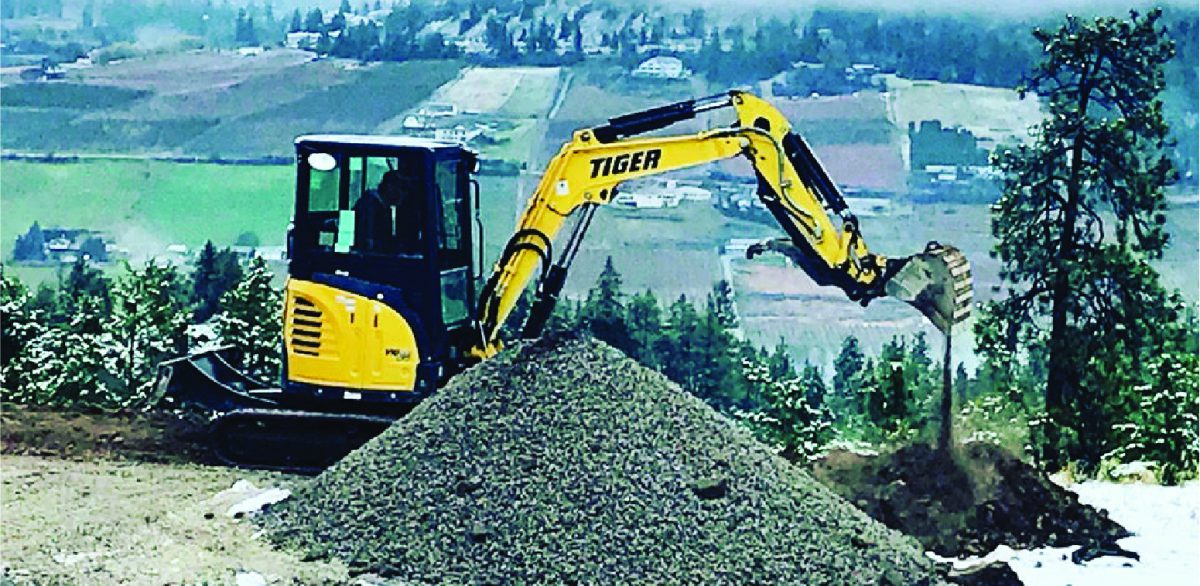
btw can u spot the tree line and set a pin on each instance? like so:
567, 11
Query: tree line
94, 341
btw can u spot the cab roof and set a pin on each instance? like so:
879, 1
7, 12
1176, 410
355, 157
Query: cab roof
376, 141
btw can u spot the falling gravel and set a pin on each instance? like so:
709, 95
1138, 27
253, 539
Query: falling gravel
564, 461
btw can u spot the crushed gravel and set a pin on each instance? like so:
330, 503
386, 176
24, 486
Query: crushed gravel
564, 461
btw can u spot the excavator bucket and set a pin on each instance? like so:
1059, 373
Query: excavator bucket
937, 282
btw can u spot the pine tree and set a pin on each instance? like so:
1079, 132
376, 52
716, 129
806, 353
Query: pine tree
643, 317
31, 246
251, 321
787, 419
214, 273
296, 23
962, 383
849, 372
72, 366
779, 363
678, 349
604, 310
83, 282
721, 303
1081, 289
148, 325
19, 324
314, 21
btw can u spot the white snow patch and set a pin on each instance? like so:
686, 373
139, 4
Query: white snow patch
247, 498
250, 579
1165, 521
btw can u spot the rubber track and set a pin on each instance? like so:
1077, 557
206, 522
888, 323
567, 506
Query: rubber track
301, 442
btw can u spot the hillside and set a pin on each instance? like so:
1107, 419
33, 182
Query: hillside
209, 104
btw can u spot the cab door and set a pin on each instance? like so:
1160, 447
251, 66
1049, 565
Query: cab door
455, 236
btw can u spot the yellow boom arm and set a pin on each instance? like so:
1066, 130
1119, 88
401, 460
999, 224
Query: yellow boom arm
587, 170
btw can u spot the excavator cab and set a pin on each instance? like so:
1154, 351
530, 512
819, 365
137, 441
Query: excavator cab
383, 264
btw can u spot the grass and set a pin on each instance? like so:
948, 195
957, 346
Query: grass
378, 94
146, 205
534, 94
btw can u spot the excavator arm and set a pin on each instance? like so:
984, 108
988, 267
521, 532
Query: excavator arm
822, 234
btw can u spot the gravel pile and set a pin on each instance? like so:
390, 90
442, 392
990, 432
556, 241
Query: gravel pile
564, 461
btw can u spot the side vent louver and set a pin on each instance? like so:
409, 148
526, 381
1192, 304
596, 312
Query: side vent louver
306, 328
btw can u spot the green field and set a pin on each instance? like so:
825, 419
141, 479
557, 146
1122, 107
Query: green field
147, 205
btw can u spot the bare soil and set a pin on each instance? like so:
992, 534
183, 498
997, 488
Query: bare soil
154, 436
967, 502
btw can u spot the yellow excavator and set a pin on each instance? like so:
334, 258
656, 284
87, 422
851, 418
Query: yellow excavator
386, 296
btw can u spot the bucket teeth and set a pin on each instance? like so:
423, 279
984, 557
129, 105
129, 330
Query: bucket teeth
938, 283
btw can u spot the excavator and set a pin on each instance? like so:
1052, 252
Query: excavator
386, 296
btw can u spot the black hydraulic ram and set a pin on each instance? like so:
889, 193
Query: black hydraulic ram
627, 125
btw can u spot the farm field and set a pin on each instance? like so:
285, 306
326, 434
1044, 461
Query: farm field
994, 114
509, 91
212, 104
147, 205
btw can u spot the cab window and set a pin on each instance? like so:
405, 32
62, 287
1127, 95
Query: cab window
453, 200
366, 204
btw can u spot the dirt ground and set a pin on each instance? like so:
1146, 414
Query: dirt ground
149, 437
128, 498
130, 522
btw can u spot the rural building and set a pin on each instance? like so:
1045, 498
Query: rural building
62, 245
931, 144
438, 110
459, 133
662, 68
302, 40
643, 200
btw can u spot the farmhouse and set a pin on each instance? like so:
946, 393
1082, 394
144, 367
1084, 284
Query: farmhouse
662, 68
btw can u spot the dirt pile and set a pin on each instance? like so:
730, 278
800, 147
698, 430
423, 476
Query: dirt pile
968, 502
564, 461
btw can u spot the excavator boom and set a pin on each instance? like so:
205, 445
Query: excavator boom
822, 234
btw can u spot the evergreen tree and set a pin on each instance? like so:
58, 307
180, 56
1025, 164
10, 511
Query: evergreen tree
31, 246
779, 364
813, 382
83, 282
250, 321
72, 366
962, 383
678, 350
604, 310
149, 324
215, 272
787, 418
314, 21
849, 372
721, 303
643, 317
1081, 282
344, 7
296, 24
18, 324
